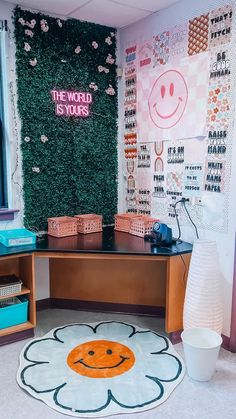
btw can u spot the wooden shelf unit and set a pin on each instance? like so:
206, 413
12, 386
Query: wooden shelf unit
24, 290
22, 266
15, 329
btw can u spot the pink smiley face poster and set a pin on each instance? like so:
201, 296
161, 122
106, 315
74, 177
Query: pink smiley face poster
172, 102
168, 99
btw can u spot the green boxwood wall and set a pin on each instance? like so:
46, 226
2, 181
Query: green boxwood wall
75, 170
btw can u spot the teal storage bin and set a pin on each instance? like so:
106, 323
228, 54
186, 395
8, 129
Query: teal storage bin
17, 237
11, 315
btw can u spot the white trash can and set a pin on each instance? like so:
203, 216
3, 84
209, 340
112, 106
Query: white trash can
201, 349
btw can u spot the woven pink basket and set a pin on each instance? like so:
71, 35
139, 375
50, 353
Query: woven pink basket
62, 226
141, 226
89, 223
122, 222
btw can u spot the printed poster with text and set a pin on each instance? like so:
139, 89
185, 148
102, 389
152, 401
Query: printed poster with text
172, 101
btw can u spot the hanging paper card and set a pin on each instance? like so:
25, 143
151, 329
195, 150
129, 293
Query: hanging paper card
214, 176
130, 60
145, 56
170, 102
220, 23
193, 179
217, 143
220, 66
218, 103
161, 51
178, 41
131, 194
198, 35
144, 156
144, 193
174, 183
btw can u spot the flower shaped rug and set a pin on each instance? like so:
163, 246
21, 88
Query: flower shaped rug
100, 369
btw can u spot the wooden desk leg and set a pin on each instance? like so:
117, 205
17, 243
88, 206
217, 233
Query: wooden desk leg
177, 272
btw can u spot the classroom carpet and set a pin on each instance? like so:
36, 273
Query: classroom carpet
100, 369
211, 400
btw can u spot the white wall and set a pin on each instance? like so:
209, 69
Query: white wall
144, 30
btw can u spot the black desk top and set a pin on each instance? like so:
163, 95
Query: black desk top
106, 242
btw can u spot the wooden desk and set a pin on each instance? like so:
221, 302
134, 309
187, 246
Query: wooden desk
108, 270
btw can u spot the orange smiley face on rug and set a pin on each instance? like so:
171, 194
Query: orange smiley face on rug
101, 359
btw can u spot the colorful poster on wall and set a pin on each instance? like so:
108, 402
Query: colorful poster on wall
218, 108
220, 26
161, 49
198, 35
130, 60
178, 41
170, 101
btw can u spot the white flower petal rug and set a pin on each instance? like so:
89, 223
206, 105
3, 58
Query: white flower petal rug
100, 369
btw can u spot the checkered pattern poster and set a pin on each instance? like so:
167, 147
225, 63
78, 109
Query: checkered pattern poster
170, 100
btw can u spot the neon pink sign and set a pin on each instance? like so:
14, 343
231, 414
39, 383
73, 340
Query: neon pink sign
70, 103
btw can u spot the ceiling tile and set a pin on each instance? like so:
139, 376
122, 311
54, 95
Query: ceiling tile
109, 13
60, 7
151, 5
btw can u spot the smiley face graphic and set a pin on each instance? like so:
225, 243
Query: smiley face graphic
168, 99
101, 359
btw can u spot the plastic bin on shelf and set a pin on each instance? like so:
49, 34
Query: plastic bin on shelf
13, 311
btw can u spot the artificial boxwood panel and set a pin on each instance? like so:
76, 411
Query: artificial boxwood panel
69, 164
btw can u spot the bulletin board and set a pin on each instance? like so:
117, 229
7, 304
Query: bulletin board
178, 120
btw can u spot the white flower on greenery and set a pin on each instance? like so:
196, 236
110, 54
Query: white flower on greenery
35, 169
110, 59
106, 368
43, 138
110, 90
27, 47
33, 62
59, 23
93, 86
21, 21
95, 44
29, 33
108, 40
27, 139
32, 23
112, 34
101, 69
78, 49
44, 25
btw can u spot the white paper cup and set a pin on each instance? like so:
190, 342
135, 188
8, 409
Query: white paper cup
201, 350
